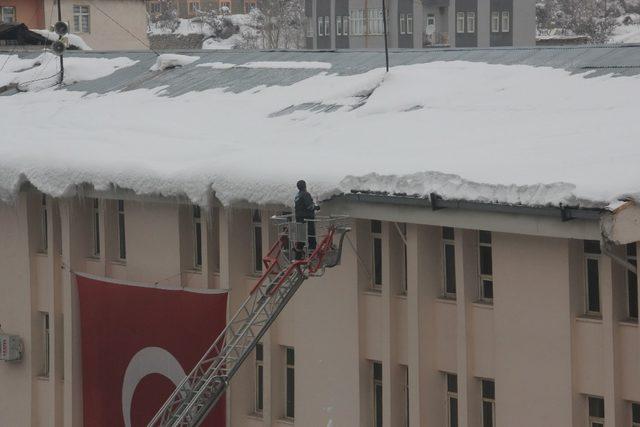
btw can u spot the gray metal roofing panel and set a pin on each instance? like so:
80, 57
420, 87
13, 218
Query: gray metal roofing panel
619, 60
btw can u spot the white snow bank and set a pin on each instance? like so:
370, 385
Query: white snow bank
172, 60
288, 65
74, 39
222, 44
43, 71
510, 134
216, 65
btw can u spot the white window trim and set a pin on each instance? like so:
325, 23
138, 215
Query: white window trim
320, 26
460, 22
505, 27
12, 14
471, 22
327, 26
495, 21
338, 25
78, 28
594, 420
409, 20
345, 25
403, 24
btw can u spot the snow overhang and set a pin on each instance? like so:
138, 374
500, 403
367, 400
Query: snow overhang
620, 224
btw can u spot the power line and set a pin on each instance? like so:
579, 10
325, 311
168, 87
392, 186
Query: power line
123, 28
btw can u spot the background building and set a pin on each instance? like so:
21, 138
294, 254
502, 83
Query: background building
336, 24
28, 12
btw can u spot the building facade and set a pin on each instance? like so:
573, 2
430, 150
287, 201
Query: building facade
104, 24
358, 24
436, 317
28, 12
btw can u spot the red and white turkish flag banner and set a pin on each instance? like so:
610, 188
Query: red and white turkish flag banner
138, 343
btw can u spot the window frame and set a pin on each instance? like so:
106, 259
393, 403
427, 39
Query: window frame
45, 363
591, 256
95, 228
595, 420
405, 391
505, 28
196, 218
483, 276
80, 11
632, 282
13, 14
460, 22
44, 225
376, 250
289, 369
122, 230
447, 241
635, 414
471, 22
409, 18
320, 26
345, 25
376, 383
450, 395
338, 25
491, 400
403, 24
258, 403
327, 26
256, 246
495, 21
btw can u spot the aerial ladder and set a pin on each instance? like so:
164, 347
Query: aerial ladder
287, 265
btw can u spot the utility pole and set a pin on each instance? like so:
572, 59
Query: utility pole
60, 37
384, 27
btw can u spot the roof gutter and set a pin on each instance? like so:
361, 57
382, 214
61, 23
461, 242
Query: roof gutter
435, 202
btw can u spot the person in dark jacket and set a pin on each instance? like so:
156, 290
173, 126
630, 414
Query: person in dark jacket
305, 211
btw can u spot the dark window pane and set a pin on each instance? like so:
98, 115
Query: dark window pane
487, 289
260, 396
596, 407
450, 268
631, 249
486, 260
632, 285
377, 371
484, 236
447, 233
196, 211
488, 389
120, 205
453, 412
376, 227
256, 217
593, 287
257, 239
452, 383
487, 414
95, 203
198, 244
591, 247
377, 261
96, 232
259, 352
635, 412
121, 236
378, 405
597, 425
290, 356
290, 392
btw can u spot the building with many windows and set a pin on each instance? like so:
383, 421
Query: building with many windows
341, 24
509, 309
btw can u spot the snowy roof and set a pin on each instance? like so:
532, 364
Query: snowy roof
530, 126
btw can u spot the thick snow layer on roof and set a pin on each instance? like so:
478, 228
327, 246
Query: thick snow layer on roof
498, 133
171, 60
74, 39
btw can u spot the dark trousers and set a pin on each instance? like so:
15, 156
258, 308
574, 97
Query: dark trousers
311, 234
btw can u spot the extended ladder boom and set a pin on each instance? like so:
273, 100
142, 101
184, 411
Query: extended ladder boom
199, 391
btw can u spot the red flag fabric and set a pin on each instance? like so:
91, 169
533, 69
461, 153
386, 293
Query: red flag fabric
138, 342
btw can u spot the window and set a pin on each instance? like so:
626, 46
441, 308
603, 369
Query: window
81, 19
327, 28
8, 14
357, 22
592, 255
460, 22
635, 414
402, 229
95, 228
403, 24
249, 6
486, 266
375, 25
194, 7
44, 325
320, 25
405, 391
409, 23
122, 242
376, 235
377, 394
632, 282
596, 411
338, 25
197, 237
471, 22
505, 21
256, 234
289, 384
495, 22
259, 403
452, 400
449, 262
345, 25
44, 225
488, 403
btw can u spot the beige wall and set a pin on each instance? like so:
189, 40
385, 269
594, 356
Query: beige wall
534, 340
104, 33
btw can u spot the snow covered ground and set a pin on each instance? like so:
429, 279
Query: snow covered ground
501, 133
627, 29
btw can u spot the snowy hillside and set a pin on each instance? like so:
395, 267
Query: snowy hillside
475, 131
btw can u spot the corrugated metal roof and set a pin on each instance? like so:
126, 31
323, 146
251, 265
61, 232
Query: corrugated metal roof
617, 60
